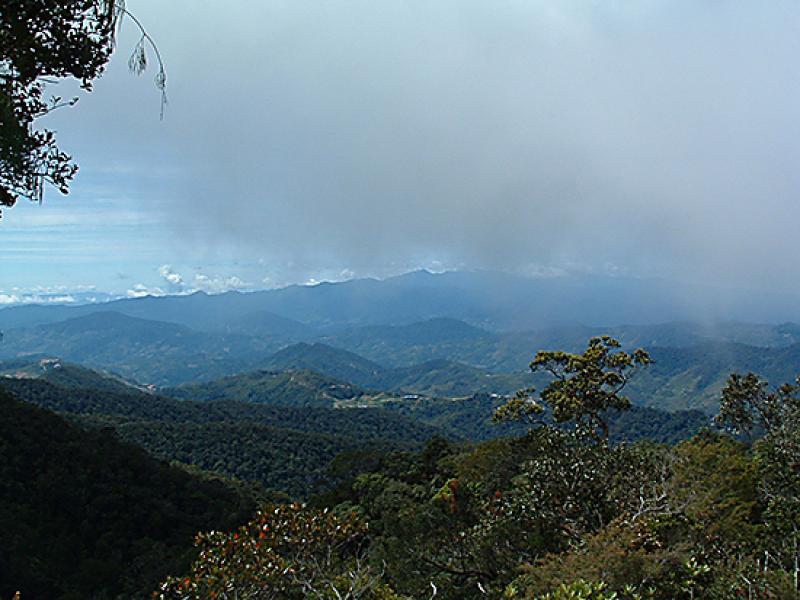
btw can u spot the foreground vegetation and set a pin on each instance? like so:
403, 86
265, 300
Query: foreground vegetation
83, 515
555, 514
564, 509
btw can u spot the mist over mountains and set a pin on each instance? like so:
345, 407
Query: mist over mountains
450, 334
488, 299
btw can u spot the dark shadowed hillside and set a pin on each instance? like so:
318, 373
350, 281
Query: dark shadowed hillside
284, 448
83, 515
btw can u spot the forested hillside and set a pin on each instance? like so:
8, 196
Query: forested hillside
290, 388
286, 449
83, 514
70, 375
438, 377
514, 494
147, 351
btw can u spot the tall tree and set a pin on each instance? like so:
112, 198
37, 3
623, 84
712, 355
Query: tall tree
584, 386
43, 42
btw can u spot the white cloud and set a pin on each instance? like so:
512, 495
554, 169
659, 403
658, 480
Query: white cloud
177, 283
55, 294
218, 284
140, 291
172, 278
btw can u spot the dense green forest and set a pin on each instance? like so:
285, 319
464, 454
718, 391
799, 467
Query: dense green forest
292, 388
84, 515
246, 428
565, 492
554, 514
285, 449
472, 418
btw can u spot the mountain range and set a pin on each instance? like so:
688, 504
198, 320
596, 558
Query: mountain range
448, 335
492, 300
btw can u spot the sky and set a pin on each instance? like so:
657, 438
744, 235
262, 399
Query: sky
325, 140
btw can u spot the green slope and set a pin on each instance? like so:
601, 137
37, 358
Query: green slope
693, 377
68, 375
83, 515
284, 448
680, 378
146, 351
287, 388
327, 360
433, 378
471, 418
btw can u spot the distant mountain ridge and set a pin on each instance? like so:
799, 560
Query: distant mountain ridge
442, 357
493, 300
678, 378
449, 334
437, 377
147, 351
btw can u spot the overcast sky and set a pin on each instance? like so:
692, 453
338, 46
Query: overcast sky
309, 140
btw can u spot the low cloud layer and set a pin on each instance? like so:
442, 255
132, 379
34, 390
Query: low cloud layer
86, 294
634, 137
173, 282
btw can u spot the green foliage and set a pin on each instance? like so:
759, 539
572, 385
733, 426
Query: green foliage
557, 512
584, 386
587, 385
285, 449
286, 552
580, 590
715, 484
572, 486
468, 519
475, 419
522, 407
624, 557
747, 403
532, 516
39, 45
287, 388
83, 515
